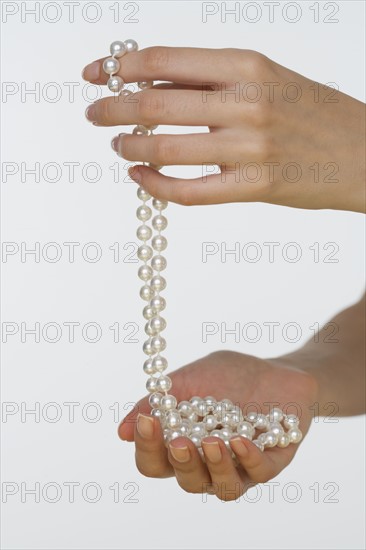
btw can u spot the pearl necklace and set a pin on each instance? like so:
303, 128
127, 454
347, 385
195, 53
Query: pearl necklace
198, 417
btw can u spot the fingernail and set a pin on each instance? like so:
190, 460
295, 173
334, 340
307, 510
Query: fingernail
145, 426
90, 113
212, 451
92, 71
115, 143
181, 454
238, 446
135, 174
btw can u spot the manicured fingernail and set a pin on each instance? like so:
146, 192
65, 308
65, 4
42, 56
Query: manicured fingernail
92, 71
212, 451
115, 143
135, 174
238, 446
90, 113
145, 426
181, 454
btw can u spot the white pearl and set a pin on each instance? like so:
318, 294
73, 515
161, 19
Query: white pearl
185, 427
145, 272
144, 232
295, 435
154, 399
142, 194
154, 166
262, 422
151, 384
158, 263
159, 222
226, 433
163, 383
173, 420
159, 243
148, 367
158, 283
111, 65
115, 83
144, 85
168, 402
148, 312
158, 344
192, 417
216, 433
149, 331
198, 428
276, 428
258, 444
158, 414
159, 205
201, 408
271, 439
131, 45
210, 422
262, 438
140, 131
144, 213
283, 441
185, 408
158, 304
209, 400
118, 48
196, 439
144, 252
125, 92
195, 400
151, 127
174, 434
252, 417
159, 363
146, 292
275, 415
146, 347
291, 421
158, 324
245, 429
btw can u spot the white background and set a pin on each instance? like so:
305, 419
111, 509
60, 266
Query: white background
106, 292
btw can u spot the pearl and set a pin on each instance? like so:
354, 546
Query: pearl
140, 131
185, 408
216, 433
125, 92
115, 83
158, 283
158, 263
111, 65
159, 243
154, 166
209, 400
258, 444
118, 48
283, 441
192, 417
245, 429
158, 304
295, 435
252, 417
276, 428
148, 312
149, 331
173, 435
146, 292
145, 272
159, 222
159, 363
144, 232
163, 383
145, 84
262, 438
144, 252
225, 433
148, 367
185, 427
168, 402
146, 348
195, 400
275, 415
151, 385
158, 414
271, 439
198, 428
159, 205
151, 127
154, 399
210, 422
291, 421
173, 420
131, 45
201, 408
158, 323
144, 213
142, 194
196, 439
261, 422
158, 343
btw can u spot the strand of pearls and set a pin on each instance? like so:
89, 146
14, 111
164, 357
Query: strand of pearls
198, 417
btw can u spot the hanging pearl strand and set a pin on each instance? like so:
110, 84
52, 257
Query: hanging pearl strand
198, 417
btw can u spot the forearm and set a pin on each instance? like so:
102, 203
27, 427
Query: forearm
338, 367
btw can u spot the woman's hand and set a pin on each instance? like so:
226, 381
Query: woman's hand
276, 136
243, 379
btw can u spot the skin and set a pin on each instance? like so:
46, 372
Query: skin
251, 141
325, 127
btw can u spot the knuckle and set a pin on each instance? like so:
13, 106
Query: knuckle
150, 106
155, 58
256, 63
104, 110
259, 114
165, 151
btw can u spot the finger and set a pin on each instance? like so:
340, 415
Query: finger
154, 106
167, 149
191, 472
151, 454
183, 65
260, 466
126, 430
226, 481
213, 189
